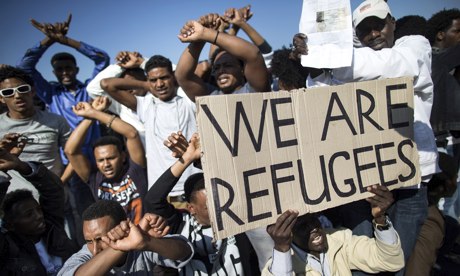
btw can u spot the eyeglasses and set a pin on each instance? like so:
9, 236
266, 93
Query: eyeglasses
9, 92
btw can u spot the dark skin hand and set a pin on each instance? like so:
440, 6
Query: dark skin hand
281, 231
299, 46
13, 143
55, 31
177, 143
380, 201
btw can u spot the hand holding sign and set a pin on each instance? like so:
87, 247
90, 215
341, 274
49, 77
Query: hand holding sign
281, 231
380, 201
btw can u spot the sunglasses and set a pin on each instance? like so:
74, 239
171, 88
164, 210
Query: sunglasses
9, 92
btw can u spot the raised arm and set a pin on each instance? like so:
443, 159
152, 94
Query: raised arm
237, 19
255, 70
118, 90
193, 85
94, 86
73, 147
133, 141
58, 33
125, 60
155, 199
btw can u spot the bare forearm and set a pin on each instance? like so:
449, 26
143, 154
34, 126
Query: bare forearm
169, 248
189, 58
77, 137
116, 87
67, 174
101, 263
178, 168
116, 124
255, 37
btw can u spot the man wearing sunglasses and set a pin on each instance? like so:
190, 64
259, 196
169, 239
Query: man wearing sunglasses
44, 132
60, 96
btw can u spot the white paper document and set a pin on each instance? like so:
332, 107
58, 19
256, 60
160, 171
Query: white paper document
328, 25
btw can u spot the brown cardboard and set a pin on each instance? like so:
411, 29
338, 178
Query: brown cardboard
289, 165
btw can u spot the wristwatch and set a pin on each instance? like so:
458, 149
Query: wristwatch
382, 227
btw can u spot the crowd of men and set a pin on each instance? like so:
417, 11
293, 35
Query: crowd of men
104, 176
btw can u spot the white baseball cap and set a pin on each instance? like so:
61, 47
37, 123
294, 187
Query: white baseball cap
378, 8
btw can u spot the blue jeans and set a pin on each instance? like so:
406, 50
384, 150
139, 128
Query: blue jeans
450, 206
407, 214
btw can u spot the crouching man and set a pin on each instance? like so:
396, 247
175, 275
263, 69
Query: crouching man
303, 247
115, 246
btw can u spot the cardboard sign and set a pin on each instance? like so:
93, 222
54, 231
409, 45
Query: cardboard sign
308, 150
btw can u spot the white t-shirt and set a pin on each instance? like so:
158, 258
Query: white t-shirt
160, 120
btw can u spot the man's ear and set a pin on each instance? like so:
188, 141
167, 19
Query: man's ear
77, 69
2, 100
124, 156
9, 226
440, 36
190, 208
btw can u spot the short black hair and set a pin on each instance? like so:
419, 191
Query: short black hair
410, 25
440, 22
158, 61
102, 208
193, 184
137, 73
10, 72
109, 140
11, 199
63, 56
438, 185
217, 51
290, 72
306, 223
